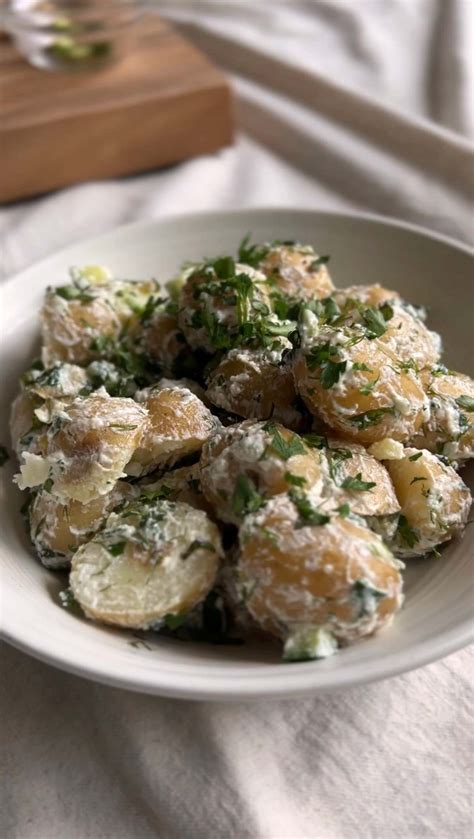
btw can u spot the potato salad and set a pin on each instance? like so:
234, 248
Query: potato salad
245, 451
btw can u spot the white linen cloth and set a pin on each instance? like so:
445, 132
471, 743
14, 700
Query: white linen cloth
340, 104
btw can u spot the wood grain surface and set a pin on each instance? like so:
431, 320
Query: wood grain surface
163, 103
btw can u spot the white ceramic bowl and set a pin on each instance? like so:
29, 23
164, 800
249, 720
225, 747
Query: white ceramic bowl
437, 616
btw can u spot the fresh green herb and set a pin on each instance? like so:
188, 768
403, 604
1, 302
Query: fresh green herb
317, 263
366, 597
361, 366
407, 534
315, 441
416, 456
308, 515
375, 320
198, 545
466, 402
4, 456
71, 292
331, 372
175, 621
343, 510
357, 484
281, 447
245, 498
373, 417
294, 480
368, 388
48, 485
418, 478
117, 549
335, 458
252, 255
69, 602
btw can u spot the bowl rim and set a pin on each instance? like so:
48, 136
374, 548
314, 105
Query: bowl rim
306, 680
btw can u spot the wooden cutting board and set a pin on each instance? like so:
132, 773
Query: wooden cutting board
165, 102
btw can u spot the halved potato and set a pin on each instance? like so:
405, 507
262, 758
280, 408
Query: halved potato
89, 444
359, 480
57, 529
77, 319
357, 386
302, 572
179, 424
434, 500
257, 384
154, 558
244, 464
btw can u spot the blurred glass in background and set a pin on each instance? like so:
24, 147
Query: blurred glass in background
72, 35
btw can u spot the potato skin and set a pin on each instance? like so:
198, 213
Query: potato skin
247, 451
75, 316
95, 439
365, 405
449, 430
339, 576
434, 500
256, 384
295, 271
153, 558
345, 460
178, 426
57, 529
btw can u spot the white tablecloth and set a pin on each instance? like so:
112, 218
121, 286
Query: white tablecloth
340, 104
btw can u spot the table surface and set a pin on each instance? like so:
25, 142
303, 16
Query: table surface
363, 105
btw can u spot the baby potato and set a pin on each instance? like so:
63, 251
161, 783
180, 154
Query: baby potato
178, 425
216, 299
297, 270
356, 386
434, 501
303, 573
257, 384
79, 317
89, 444
179, 485
57, 529
397, 325
42, 391
449, 430
244, 464
154, 558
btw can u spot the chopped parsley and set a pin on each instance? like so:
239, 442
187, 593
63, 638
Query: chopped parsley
69, 602
357, 484
317, 263
343, 510
280, 446
198, 545
418, 478
327, 358
174, 621
72, 292
252, 255
375, 320
415, 456
315, 441
308, 515
294, 480
117, 549
366, 597
466, 402
4, 456
373, 417
245, 498
406, 532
